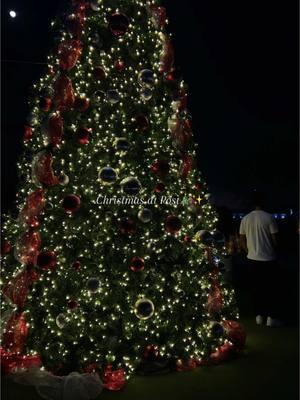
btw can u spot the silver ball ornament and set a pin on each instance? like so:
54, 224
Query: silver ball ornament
145, 215
146, 77
107, 176
61, 320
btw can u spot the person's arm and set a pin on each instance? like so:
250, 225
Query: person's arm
274, 232
243, 238
275, 239
243, 242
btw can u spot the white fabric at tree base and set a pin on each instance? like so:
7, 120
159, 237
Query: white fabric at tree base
74, 386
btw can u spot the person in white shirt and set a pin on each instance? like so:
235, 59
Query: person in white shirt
258, 232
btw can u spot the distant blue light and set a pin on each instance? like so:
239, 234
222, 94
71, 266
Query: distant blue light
12, 14
276, 215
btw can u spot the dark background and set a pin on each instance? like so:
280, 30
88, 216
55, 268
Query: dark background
240, 60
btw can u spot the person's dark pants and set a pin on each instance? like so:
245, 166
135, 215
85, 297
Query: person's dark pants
264, 287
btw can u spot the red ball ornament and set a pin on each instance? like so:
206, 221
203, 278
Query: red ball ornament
127, 227
99, 73
113, 380
141, 123
45, 104
71, 203
81, 104
119, 65
64, 93
46, 260
173, 224
83, 135
69, 52
159, 187
137, 264
72, 304
151, 352
76, 265
199, 186
170, 77
187, 239
236, 334
55, 129
27, 135
160, 168
6, 247
118, 24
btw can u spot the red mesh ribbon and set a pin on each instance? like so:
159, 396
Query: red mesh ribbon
93, 367
55, 129
186, 365
222, 354
42, 171
64, 93
208, 254
215, 300
69, 52
167, 56
80, 10
16, 332
80, 7
181, 132
17, 289
236, 334
159, 16
75, 21
34, 205
186, 166
151, 352
12, 362
27, 247
113, 380
180, 104
27, 135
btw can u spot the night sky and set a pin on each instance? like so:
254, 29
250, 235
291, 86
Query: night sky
240, 60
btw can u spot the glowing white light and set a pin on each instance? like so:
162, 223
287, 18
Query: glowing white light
12, 13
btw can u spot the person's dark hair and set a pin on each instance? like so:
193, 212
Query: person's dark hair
258, 199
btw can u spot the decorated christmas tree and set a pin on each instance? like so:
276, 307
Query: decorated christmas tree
113, 259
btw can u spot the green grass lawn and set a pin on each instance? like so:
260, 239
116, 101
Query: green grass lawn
268, 370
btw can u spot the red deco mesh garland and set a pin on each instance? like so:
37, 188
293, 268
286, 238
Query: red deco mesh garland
28, 245
215, 298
